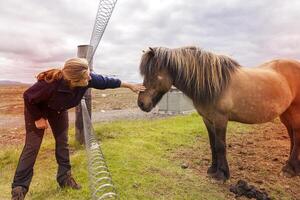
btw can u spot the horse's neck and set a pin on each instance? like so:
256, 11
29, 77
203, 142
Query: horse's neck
180, 86
188, 91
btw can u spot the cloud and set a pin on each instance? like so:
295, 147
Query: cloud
37, 35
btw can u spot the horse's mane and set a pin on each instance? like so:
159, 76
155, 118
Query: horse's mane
200, 74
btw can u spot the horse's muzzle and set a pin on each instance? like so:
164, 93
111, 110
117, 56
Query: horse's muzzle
143, 107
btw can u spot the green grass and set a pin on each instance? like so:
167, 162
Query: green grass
43, 184
138, 155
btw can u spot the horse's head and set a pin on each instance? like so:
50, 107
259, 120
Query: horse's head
157, 80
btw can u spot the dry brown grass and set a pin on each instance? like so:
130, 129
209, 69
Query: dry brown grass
111, 99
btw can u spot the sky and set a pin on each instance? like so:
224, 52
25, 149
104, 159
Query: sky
36, 35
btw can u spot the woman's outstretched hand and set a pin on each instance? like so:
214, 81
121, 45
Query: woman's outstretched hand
41, 124
134, 87
137, 88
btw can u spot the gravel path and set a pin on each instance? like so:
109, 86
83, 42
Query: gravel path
126, 114
17, 121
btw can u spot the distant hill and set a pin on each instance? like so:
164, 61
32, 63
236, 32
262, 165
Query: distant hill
7, 82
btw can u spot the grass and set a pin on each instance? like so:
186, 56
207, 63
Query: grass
138, 155
141, 167
44, 184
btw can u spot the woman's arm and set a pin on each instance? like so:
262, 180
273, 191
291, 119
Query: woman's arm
37, 93
133, 87
100, 82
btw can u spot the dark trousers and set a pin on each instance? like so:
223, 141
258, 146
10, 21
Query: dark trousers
59, 124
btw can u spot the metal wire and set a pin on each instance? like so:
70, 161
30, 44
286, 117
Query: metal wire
104, 12
101, 184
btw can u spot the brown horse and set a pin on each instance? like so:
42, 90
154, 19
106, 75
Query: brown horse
223, 91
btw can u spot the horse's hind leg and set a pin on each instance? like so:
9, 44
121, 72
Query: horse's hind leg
284, 118
291, 119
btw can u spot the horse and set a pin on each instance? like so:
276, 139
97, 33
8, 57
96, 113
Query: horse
222, 90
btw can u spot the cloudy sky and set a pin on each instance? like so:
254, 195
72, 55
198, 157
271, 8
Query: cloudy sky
37, 35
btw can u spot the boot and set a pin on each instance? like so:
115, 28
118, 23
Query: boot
18, 193
70, 182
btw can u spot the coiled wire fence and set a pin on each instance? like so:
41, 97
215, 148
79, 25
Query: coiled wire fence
101, 184
104, 12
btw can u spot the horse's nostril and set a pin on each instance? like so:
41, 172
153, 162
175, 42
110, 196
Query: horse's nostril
141, 104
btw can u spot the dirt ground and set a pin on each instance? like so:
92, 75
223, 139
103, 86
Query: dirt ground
11, 103
256, 156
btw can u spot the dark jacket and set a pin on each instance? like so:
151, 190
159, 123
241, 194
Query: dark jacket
59, 97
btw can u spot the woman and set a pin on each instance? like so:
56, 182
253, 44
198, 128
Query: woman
48, 100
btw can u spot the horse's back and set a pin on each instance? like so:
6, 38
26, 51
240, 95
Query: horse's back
290, 70
260, 94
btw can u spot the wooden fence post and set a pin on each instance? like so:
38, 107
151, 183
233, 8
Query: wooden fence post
84, 51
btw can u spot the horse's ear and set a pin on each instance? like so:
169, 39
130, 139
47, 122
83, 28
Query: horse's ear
151, 51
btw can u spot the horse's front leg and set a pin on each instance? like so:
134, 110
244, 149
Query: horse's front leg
211, 133
219, 125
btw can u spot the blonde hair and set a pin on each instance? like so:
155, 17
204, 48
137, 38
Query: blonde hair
75, 71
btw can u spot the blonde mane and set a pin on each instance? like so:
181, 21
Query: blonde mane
200, 74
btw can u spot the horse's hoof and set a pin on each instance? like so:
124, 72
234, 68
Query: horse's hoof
211, 170
215, 181
288, 171
219, 176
